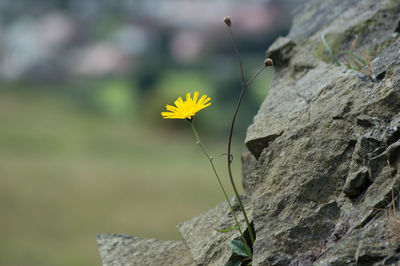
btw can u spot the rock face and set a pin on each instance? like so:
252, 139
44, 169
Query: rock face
207, 245
131, 251
324, 147
323, 138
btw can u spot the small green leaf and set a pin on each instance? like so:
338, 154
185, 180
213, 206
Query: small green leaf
233, 263
334, 58
239, 248
226, 229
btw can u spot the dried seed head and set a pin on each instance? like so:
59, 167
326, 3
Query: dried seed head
228, 21
268, 62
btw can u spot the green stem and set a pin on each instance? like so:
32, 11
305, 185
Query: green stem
255, 76
209, 158
333, 56
231, 133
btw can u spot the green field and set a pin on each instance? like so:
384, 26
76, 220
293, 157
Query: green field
67, 174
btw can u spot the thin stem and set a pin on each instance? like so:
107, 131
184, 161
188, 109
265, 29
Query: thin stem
230, 139
255, 75
238, 55
198, 142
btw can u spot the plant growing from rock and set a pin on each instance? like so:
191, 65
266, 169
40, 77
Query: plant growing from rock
354, 60
187, 109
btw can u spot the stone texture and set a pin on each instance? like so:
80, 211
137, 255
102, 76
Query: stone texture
323, 136
208, 246
248, 164
126, 250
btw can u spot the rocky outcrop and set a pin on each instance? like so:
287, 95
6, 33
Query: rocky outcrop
324, 147
127, 250
207, 245
322, 137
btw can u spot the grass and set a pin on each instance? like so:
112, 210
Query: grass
68, 174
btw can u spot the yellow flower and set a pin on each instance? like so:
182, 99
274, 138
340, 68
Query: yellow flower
186, 109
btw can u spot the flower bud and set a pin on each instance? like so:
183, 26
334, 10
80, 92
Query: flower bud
228, 21
268, 62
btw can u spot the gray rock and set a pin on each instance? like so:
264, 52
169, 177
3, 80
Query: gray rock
364, 246
323, 139
207, 245
126, 250
248, 164
357, 182
281, 51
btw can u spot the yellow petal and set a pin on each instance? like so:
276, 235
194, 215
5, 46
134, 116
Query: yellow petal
179, 102
188, 108
202, 99
171, 108
206, 100
195, 96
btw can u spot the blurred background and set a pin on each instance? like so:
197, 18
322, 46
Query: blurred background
83, 147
